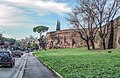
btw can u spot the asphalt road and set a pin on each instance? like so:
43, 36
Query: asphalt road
35, 69
7, 72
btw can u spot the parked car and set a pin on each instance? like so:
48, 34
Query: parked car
17, 53
6, 58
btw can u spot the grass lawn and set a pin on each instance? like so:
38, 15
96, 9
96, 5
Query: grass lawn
81, 63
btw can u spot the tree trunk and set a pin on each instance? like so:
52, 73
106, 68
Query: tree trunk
111, 37
40, 34
103, 43
88, 46
92, 43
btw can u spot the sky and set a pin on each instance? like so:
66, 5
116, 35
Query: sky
18, 17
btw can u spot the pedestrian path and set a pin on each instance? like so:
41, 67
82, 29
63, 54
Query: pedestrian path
35, 69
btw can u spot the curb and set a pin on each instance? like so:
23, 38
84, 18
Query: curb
55, 73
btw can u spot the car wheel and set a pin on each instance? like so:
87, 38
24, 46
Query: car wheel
4, 58
11, 65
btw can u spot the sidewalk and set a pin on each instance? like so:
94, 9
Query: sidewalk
35, 69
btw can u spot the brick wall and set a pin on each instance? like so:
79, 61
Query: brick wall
65, 38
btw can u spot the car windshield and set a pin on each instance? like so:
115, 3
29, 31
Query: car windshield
4, 53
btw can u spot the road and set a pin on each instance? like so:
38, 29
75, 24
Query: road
7, 72
35, 69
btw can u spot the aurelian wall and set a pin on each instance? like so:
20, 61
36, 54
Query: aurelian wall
64, 39
117, 33
68, 38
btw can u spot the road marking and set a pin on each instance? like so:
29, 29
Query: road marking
19, 73
23, 67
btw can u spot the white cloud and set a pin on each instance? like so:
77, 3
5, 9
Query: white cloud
9, 15
12, 12
43, 6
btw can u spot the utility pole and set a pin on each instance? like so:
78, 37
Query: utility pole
15, 43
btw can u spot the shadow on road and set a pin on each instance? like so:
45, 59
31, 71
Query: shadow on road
5, 67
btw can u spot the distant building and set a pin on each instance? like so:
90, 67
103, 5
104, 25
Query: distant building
28, 40
31, 39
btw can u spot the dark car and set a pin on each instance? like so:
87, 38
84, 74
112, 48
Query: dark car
17, 54
7, 59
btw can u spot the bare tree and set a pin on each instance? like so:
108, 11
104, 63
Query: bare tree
80, 25
83, 21
103, 12
91, 15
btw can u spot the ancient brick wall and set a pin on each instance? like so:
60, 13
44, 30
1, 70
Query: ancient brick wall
66, 38
63, 39
117, 33
116, 28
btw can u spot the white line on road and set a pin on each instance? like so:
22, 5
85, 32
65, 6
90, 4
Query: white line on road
21, 68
